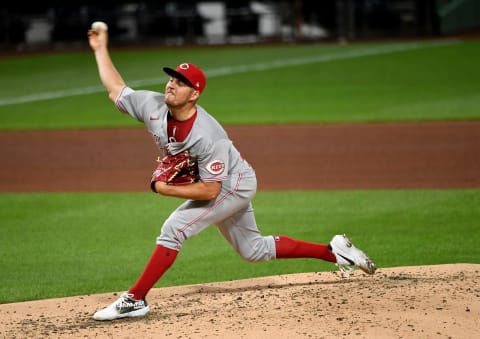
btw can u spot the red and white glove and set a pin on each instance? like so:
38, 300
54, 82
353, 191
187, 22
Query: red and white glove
175, 170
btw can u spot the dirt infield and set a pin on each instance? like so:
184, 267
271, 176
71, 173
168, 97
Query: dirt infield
426, 155
409, 302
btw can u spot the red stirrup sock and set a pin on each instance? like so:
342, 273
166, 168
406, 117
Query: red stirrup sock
291, 248
160, 261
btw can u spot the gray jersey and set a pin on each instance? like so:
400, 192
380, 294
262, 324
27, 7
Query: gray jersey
207, 142
218, 160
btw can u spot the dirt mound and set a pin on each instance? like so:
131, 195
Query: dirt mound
441, 301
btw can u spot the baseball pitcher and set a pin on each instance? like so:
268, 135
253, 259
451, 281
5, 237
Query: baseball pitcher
200, 164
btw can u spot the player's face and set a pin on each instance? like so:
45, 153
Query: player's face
178, 93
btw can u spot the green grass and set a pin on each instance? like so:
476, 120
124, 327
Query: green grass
433, 82
73, 244
62, 244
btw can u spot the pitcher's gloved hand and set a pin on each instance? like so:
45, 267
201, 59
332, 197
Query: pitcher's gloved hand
176, 169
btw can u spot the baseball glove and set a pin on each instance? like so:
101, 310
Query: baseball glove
176, 169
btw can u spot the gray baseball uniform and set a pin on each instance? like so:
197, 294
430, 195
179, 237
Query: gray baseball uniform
218, 160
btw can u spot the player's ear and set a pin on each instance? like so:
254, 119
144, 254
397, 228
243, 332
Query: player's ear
195, 94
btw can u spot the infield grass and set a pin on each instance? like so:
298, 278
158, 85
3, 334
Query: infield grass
74, 244
62, 244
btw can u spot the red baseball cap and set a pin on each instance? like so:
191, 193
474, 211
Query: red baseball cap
190, 74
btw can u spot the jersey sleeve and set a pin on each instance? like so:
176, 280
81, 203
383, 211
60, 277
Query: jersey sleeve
214, 165
138, 104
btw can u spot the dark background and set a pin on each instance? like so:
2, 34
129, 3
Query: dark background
61, 24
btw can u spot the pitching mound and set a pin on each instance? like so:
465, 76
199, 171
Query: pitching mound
441, 301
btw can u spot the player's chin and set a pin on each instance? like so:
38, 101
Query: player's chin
173, 103
169, 99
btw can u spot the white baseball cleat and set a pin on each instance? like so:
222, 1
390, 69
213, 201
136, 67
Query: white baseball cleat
348, 256
123, 307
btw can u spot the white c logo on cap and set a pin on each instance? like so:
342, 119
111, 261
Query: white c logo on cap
184, 66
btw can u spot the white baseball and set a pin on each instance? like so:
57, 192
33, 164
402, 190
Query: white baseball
99, 26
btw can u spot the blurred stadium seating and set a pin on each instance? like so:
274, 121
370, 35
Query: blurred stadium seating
56, 24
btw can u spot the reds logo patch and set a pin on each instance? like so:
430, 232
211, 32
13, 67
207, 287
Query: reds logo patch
216, 167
